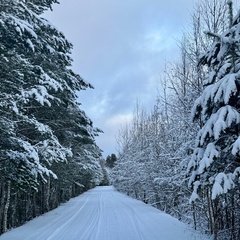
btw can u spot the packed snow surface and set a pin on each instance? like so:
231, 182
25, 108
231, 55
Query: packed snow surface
103, 214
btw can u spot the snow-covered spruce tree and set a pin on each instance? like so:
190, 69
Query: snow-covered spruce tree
215, 163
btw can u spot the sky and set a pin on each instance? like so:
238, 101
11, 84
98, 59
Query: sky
120, 47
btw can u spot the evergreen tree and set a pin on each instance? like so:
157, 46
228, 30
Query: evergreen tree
215, 161
218, 109
111, 160
43, 133
36, 86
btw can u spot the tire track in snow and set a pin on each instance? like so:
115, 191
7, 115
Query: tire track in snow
88, 233
130, 218
103, 214
53, 236
59, 218
129, 211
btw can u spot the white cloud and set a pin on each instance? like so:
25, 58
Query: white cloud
116, 121
119, 47
99, 107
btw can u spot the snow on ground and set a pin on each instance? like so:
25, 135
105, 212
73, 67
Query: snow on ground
103, 214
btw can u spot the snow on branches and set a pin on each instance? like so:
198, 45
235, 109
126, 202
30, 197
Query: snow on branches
38, 91
215, 161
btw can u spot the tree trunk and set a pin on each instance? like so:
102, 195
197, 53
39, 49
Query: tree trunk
210, 212
5, 213
48, 193
34, 212
2, 194
233, 217
13, 214
194, 216
216, 217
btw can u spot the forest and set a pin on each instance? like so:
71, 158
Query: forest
47, 143
182, 156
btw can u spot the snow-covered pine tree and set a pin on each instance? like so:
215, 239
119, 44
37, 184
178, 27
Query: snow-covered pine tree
215, 163
81, 135
35, 79
40, 120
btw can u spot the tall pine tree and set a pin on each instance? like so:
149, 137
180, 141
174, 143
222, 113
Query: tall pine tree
37, 86
40, 120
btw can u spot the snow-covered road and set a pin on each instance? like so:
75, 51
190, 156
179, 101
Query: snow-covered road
103, 214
